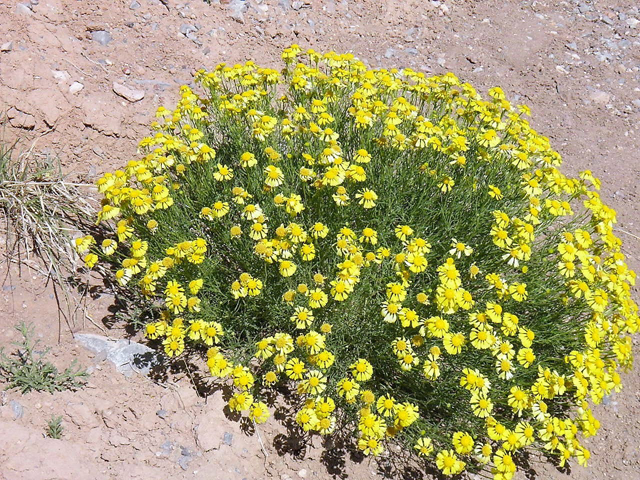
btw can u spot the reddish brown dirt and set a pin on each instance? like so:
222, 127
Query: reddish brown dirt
576, 64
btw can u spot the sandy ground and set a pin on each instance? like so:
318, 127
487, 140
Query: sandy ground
576, 64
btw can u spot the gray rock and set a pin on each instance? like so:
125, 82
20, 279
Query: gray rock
633, 22
6, 47
572, 46
8, 288
162, 413
236, 10
134, 5
127, 93
636, 103
187, 29
75, 87
607, 20
227, 438
390, 52
165, 449
183, 461
23, 9
297, 5
584, 8
17, 409
411, 51
102, 37
128, 357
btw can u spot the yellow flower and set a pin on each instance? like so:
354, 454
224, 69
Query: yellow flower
348, 389
448, 462
302, 317
317, 298
90, 260
247, 160
370, 445
223, 173
259, 412
173, 346
424, 446
275, 177
295, 369
462, 442
361, 370
481, 405
287, 268
367, 198
240, 401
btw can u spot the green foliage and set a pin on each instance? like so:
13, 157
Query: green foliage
26, 369
54, 427
403, 255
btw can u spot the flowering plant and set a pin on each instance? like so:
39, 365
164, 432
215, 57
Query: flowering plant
403, 254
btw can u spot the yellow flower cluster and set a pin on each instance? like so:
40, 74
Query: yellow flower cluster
294, 210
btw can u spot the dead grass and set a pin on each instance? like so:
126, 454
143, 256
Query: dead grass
40, 211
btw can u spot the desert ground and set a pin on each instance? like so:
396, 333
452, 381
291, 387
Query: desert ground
576, 64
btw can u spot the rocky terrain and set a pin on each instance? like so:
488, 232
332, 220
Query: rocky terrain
82, 81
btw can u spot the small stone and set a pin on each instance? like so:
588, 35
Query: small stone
187, 29
600, 97
572, 46
302, 473
62, 76
636, 103
227, 438
607, 20
8, 288
127, 93
22, 9
127, 356
584, 8
389, 52
183, 461
75, 87
165, 449
162, 413
18, 410
134, 5
411, 51
632, 22
297, 5
237, 9
102, 37
6, 47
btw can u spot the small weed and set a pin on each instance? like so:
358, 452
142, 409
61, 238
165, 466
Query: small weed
54, 427
26, 369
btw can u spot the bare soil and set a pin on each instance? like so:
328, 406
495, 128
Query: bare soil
576, 64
